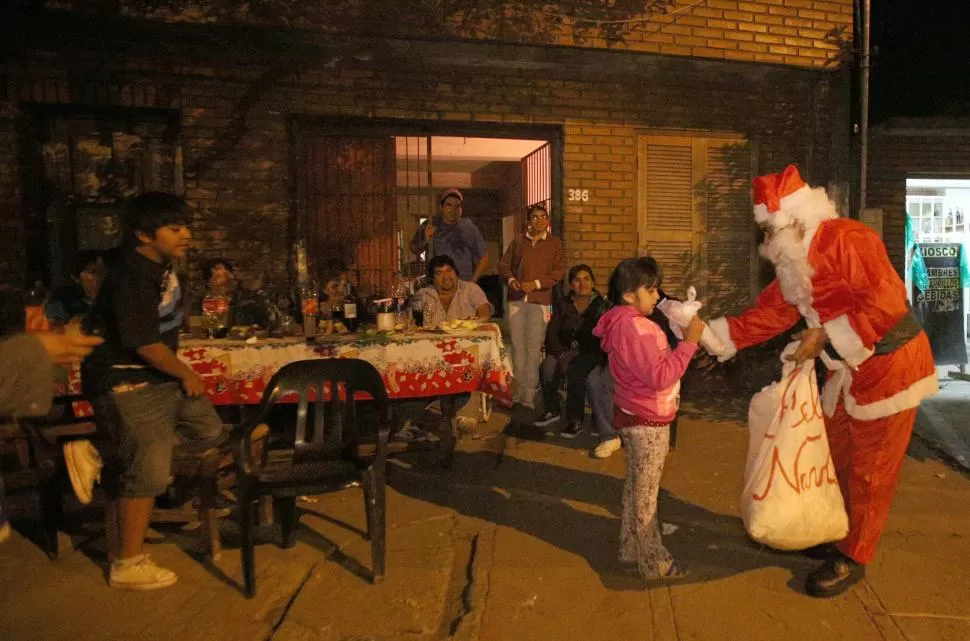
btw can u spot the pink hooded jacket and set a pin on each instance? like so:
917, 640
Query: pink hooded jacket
646, 371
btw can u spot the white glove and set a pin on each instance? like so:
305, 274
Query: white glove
680, 313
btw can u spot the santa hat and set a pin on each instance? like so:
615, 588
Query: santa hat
778, 197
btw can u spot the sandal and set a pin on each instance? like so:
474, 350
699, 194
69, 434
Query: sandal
677, 570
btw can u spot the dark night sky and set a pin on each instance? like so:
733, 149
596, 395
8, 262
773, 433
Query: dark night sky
922, 64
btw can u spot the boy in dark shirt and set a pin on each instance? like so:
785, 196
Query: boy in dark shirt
141, 392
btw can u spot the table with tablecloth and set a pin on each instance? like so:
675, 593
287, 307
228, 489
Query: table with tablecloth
421, 364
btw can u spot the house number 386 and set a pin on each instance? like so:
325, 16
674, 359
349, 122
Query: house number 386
577, 195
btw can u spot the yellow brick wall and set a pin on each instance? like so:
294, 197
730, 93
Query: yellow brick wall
802, 33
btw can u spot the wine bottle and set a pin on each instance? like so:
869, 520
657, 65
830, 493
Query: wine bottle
350, 310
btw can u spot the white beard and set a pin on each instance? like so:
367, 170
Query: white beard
789, 255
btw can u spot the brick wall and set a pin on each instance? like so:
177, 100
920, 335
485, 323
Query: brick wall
234, 127
11, 216
804, 33
911, 150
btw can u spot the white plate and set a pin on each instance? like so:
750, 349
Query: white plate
457, 330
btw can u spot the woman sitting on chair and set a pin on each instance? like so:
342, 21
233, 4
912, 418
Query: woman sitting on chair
572, 352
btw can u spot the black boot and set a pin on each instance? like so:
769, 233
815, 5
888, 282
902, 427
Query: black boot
835, 576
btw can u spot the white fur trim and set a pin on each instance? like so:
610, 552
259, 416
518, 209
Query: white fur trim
761, 213
811, 318
723, 332
900, 401
806, 204
796, 199
846, 341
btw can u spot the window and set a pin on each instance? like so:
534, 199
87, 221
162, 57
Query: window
928, 216
695, 216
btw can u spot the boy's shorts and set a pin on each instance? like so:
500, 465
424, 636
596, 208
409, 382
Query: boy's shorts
142, 421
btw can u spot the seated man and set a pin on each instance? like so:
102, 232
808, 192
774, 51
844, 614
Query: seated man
75, 299
448, 297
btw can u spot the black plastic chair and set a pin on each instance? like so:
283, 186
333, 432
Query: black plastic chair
320, 455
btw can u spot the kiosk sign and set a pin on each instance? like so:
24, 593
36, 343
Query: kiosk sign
940, 307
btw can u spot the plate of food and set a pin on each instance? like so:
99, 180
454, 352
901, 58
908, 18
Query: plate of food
456, 326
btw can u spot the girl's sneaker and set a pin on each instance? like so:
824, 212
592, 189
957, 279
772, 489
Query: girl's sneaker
606, 448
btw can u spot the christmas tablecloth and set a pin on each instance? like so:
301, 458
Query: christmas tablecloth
422, 364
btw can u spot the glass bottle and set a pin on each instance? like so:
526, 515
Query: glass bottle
350, 310
34, 300
215, 313
310, 307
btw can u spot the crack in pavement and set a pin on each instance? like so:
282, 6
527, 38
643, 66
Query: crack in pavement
465, 596
289, 603
875, 610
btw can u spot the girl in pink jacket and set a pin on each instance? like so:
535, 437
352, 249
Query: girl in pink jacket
647, 377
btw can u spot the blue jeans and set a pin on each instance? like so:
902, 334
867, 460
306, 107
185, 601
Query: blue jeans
599, 388
142, 425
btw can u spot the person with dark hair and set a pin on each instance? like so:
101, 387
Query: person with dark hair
572, 353
75, 299
449, 234
141, 392
532, 266
220, 287
647, 377
450, 298
447, 298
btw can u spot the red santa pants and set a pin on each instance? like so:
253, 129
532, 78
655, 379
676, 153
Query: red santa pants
867, 457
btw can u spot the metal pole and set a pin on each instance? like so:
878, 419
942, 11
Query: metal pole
864, 120
430, 252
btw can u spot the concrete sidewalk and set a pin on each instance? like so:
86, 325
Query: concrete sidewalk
942, 422
518, 542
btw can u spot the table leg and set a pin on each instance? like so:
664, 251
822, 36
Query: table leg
446, 429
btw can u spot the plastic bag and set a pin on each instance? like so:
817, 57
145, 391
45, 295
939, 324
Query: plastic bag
791, 498
680, 314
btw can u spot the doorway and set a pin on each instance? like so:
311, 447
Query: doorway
363, 190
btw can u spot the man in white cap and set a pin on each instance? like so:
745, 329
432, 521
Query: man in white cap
835, 274
449, 234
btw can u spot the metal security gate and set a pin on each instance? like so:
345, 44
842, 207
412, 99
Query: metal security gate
346, 192
537, 180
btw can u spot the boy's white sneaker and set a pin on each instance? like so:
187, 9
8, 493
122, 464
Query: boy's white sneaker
140, 573
83, 467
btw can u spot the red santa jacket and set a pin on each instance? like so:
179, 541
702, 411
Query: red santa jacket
857, 297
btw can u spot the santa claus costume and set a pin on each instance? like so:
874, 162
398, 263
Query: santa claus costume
835, 273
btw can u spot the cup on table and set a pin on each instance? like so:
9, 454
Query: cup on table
196, 329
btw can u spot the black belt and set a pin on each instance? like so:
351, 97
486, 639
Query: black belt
906, 329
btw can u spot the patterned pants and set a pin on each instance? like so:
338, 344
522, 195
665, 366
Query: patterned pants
646, 449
